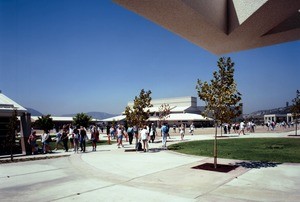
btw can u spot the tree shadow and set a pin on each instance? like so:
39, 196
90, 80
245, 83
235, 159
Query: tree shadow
257, 164
154, 150
223, 136
151, 150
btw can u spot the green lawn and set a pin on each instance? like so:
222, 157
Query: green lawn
254, 149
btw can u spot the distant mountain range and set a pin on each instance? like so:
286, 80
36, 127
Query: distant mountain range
261, 113
95, 115
33, 112
104, 115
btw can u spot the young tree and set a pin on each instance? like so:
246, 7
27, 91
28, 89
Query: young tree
164, 112
82, 119
220, 96
138, 114
45, 123
296, 109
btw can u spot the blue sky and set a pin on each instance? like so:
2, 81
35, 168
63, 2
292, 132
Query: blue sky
70, 56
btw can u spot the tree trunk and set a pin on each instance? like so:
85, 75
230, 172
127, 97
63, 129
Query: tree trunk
12, 144
221, 126
215, 146
296, 127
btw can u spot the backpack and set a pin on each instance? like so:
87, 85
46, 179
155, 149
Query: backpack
76, 135
165, 129
130, 130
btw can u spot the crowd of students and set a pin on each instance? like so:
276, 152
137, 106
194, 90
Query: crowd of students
67, 137
75, 137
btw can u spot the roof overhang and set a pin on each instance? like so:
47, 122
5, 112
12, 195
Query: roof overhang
60, 119
8, 106
115, 118
182, 117
224, 26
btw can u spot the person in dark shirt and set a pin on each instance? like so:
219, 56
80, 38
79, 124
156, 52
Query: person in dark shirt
83, 137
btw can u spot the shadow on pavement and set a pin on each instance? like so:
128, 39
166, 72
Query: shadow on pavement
257, 164
151, 150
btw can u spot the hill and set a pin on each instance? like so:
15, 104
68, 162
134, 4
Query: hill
261, 113
33, 112
95, 115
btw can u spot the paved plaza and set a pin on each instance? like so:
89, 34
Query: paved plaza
111, 174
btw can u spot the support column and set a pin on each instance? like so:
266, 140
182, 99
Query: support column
25, 132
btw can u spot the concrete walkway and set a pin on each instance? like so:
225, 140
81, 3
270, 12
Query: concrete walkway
111, 174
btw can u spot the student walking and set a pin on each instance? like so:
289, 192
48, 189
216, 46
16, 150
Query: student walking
76, 140
46, 139
145, 138
32, 142
192, 128
164, 134
182, 131
83, 137
94, 137
65, 139
130, 134
112, 132
152, 132
242, 128
58, 140
70, 136
136, 135
120, 135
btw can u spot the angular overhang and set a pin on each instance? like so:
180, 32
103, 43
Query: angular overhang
8, 106
224, 26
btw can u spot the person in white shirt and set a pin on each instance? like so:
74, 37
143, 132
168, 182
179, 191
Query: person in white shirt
46, 142
145, 136
242, 128
182, 131
120, 134
192, 127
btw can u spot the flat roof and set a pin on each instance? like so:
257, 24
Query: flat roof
60, 118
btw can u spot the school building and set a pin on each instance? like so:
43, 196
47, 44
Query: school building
182, 110
7, 142
288, 118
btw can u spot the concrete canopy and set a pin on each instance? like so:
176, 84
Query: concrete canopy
115, 118
182, 117
224, 26
7, 106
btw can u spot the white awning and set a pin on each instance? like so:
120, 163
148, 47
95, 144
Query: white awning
187, 117
180, 109
171, 117
115, 118
54, 118
59, 118
182, 117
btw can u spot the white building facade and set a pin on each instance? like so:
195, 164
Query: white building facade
182, 110
288, 118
